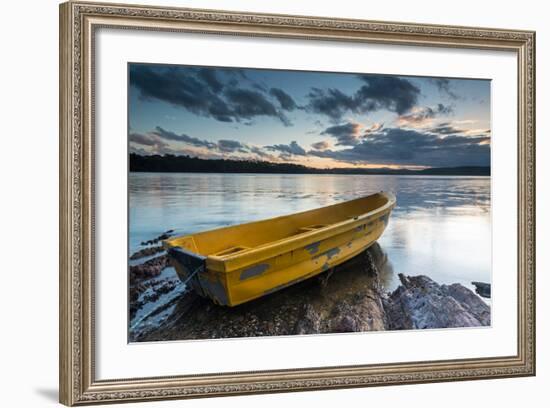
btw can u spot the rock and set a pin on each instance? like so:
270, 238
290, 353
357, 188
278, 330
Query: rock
483, 289
420, 303
161, 237
145, 252
310, 321
350, 299
147, 270
346, 324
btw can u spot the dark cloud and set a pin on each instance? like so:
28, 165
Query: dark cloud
444, 86
202, 92
322, 145
260, 87
153, 144
330, 102
285, 100
292, 148
209, 76
165, 134
447, 128
180, 88
348, 134
248, 104
230, 146
394, 94
154, 141
421, 116
411, 147
260, 152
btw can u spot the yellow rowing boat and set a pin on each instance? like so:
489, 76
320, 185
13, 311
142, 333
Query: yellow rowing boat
236, 264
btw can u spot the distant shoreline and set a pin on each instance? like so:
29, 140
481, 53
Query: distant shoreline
187, 164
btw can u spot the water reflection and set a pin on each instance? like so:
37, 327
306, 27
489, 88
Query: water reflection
440, 227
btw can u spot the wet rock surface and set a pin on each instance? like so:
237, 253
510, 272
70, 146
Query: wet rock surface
348, 298
161, 237
148, 269
483, 289
421, 303
146, 252
348, 302
145, 284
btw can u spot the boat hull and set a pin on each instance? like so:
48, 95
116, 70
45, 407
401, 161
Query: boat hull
242, 273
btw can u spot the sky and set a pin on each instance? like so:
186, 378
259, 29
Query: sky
317, 119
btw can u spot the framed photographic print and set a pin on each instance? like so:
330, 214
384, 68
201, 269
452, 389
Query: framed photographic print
260, 203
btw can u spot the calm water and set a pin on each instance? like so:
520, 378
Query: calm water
441, 226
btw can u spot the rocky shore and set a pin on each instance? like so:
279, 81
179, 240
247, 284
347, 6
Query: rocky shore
349, 298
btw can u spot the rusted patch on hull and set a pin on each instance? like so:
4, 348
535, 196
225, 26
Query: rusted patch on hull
254, 271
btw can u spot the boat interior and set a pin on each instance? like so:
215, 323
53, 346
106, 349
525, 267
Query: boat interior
229, 241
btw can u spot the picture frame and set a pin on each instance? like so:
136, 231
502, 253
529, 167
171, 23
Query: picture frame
79, 23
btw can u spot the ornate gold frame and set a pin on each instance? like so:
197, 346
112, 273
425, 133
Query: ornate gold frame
78, 22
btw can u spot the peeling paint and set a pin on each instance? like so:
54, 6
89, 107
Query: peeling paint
313, 248
254, 271
330, 253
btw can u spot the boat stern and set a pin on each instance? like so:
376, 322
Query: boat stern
192, 271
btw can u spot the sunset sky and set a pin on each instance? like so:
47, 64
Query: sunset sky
312, 118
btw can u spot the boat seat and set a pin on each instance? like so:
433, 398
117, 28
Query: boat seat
311, 228
230, 251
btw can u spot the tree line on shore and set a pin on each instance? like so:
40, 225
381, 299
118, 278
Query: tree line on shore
188, 164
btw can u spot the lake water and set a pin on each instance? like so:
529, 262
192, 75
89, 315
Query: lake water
441, 226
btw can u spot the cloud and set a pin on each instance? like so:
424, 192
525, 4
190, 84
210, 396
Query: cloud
143, 140
260, 152
420, 117
247, 104
375, 127
180, 88
448, 128
285, 100
322, 145
348, 134
148, 143
413, 147
209, 76
444, 86
153, 142
230, 146
394, 94
293, 148
165, 134
330, 102
202, 92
